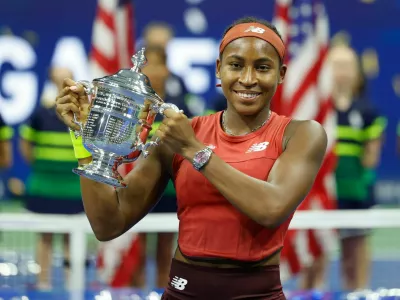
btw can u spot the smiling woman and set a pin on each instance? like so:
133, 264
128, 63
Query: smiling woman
239, 176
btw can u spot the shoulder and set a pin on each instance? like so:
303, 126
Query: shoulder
307, 134
205, 121
306, 128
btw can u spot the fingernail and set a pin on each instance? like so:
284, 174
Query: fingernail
73, 88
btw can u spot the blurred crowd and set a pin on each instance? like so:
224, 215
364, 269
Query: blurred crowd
45, 145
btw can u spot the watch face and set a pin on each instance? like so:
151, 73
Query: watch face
202, 157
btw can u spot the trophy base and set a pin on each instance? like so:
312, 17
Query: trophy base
103, 178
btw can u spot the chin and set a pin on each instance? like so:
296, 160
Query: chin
248, 110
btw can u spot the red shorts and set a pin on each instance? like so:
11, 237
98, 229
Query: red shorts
209, 283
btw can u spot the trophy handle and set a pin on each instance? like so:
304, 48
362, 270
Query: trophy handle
161, 107
89, 90
158, 108
143, 147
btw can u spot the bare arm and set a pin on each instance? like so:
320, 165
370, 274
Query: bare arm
5, 154
292, 176
112, 212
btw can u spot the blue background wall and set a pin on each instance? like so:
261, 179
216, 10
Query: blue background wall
43, 23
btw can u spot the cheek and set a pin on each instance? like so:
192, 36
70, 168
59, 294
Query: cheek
270, 82
228, 77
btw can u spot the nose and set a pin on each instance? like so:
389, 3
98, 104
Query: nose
248, 77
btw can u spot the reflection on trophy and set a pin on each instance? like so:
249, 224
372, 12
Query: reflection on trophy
122, 110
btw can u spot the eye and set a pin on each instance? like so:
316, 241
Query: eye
263, 68
235, 65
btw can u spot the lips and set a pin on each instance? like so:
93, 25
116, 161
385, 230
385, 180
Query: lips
247, 95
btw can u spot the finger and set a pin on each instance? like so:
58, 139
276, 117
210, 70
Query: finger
68, 109
159, 136
168, 121
78, 89
170, 113
68, 99
143, 115
68, 82
65, 91
67, 118
82, 97
163, 128
63, 109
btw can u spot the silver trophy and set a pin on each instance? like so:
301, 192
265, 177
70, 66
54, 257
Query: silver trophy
122, 110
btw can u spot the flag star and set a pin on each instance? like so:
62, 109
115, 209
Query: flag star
294, 30
293, 12
294, 48
306, 28
306, 9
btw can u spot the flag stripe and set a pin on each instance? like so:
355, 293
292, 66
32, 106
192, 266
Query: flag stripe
309, 79
306, 94
106, 17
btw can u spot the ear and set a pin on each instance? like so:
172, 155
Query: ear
218, 69
282, 73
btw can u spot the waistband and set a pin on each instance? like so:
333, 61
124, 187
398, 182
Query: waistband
238, 263
238, 270
202, 282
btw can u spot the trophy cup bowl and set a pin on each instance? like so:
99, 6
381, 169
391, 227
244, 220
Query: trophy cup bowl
122, 110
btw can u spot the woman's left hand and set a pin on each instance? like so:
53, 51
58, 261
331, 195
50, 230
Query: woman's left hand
177, 133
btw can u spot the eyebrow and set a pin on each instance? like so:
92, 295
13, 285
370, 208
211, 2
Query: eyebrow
259, 60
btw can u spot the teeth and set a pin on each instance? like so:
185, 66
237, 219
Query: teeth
247, 95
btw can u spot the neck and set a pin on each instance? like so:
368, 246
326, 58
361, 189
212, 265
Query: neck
240, 124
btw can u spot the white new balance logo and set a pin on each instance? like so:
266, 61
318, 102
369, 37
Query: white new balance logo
258, 147
179, 283
255, 29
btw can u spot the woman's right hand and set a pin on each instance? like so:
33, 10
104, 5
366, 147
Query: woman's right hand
72, 100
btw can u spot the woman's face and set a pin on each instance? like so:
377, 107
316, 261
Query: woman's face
250, 72
344, 68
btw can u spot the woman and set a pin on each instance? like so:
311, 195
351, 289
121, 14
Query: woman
51, 187
358, 148
239, 175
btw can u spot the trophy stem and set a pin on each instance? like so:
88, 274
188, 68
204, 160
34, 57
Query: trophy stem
100, 169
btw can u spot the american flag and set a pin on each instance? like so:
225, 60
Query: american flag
306, 94
112, 47
112, 37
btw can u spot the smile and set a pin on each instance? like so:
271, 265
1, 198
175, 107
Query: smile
248, 95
